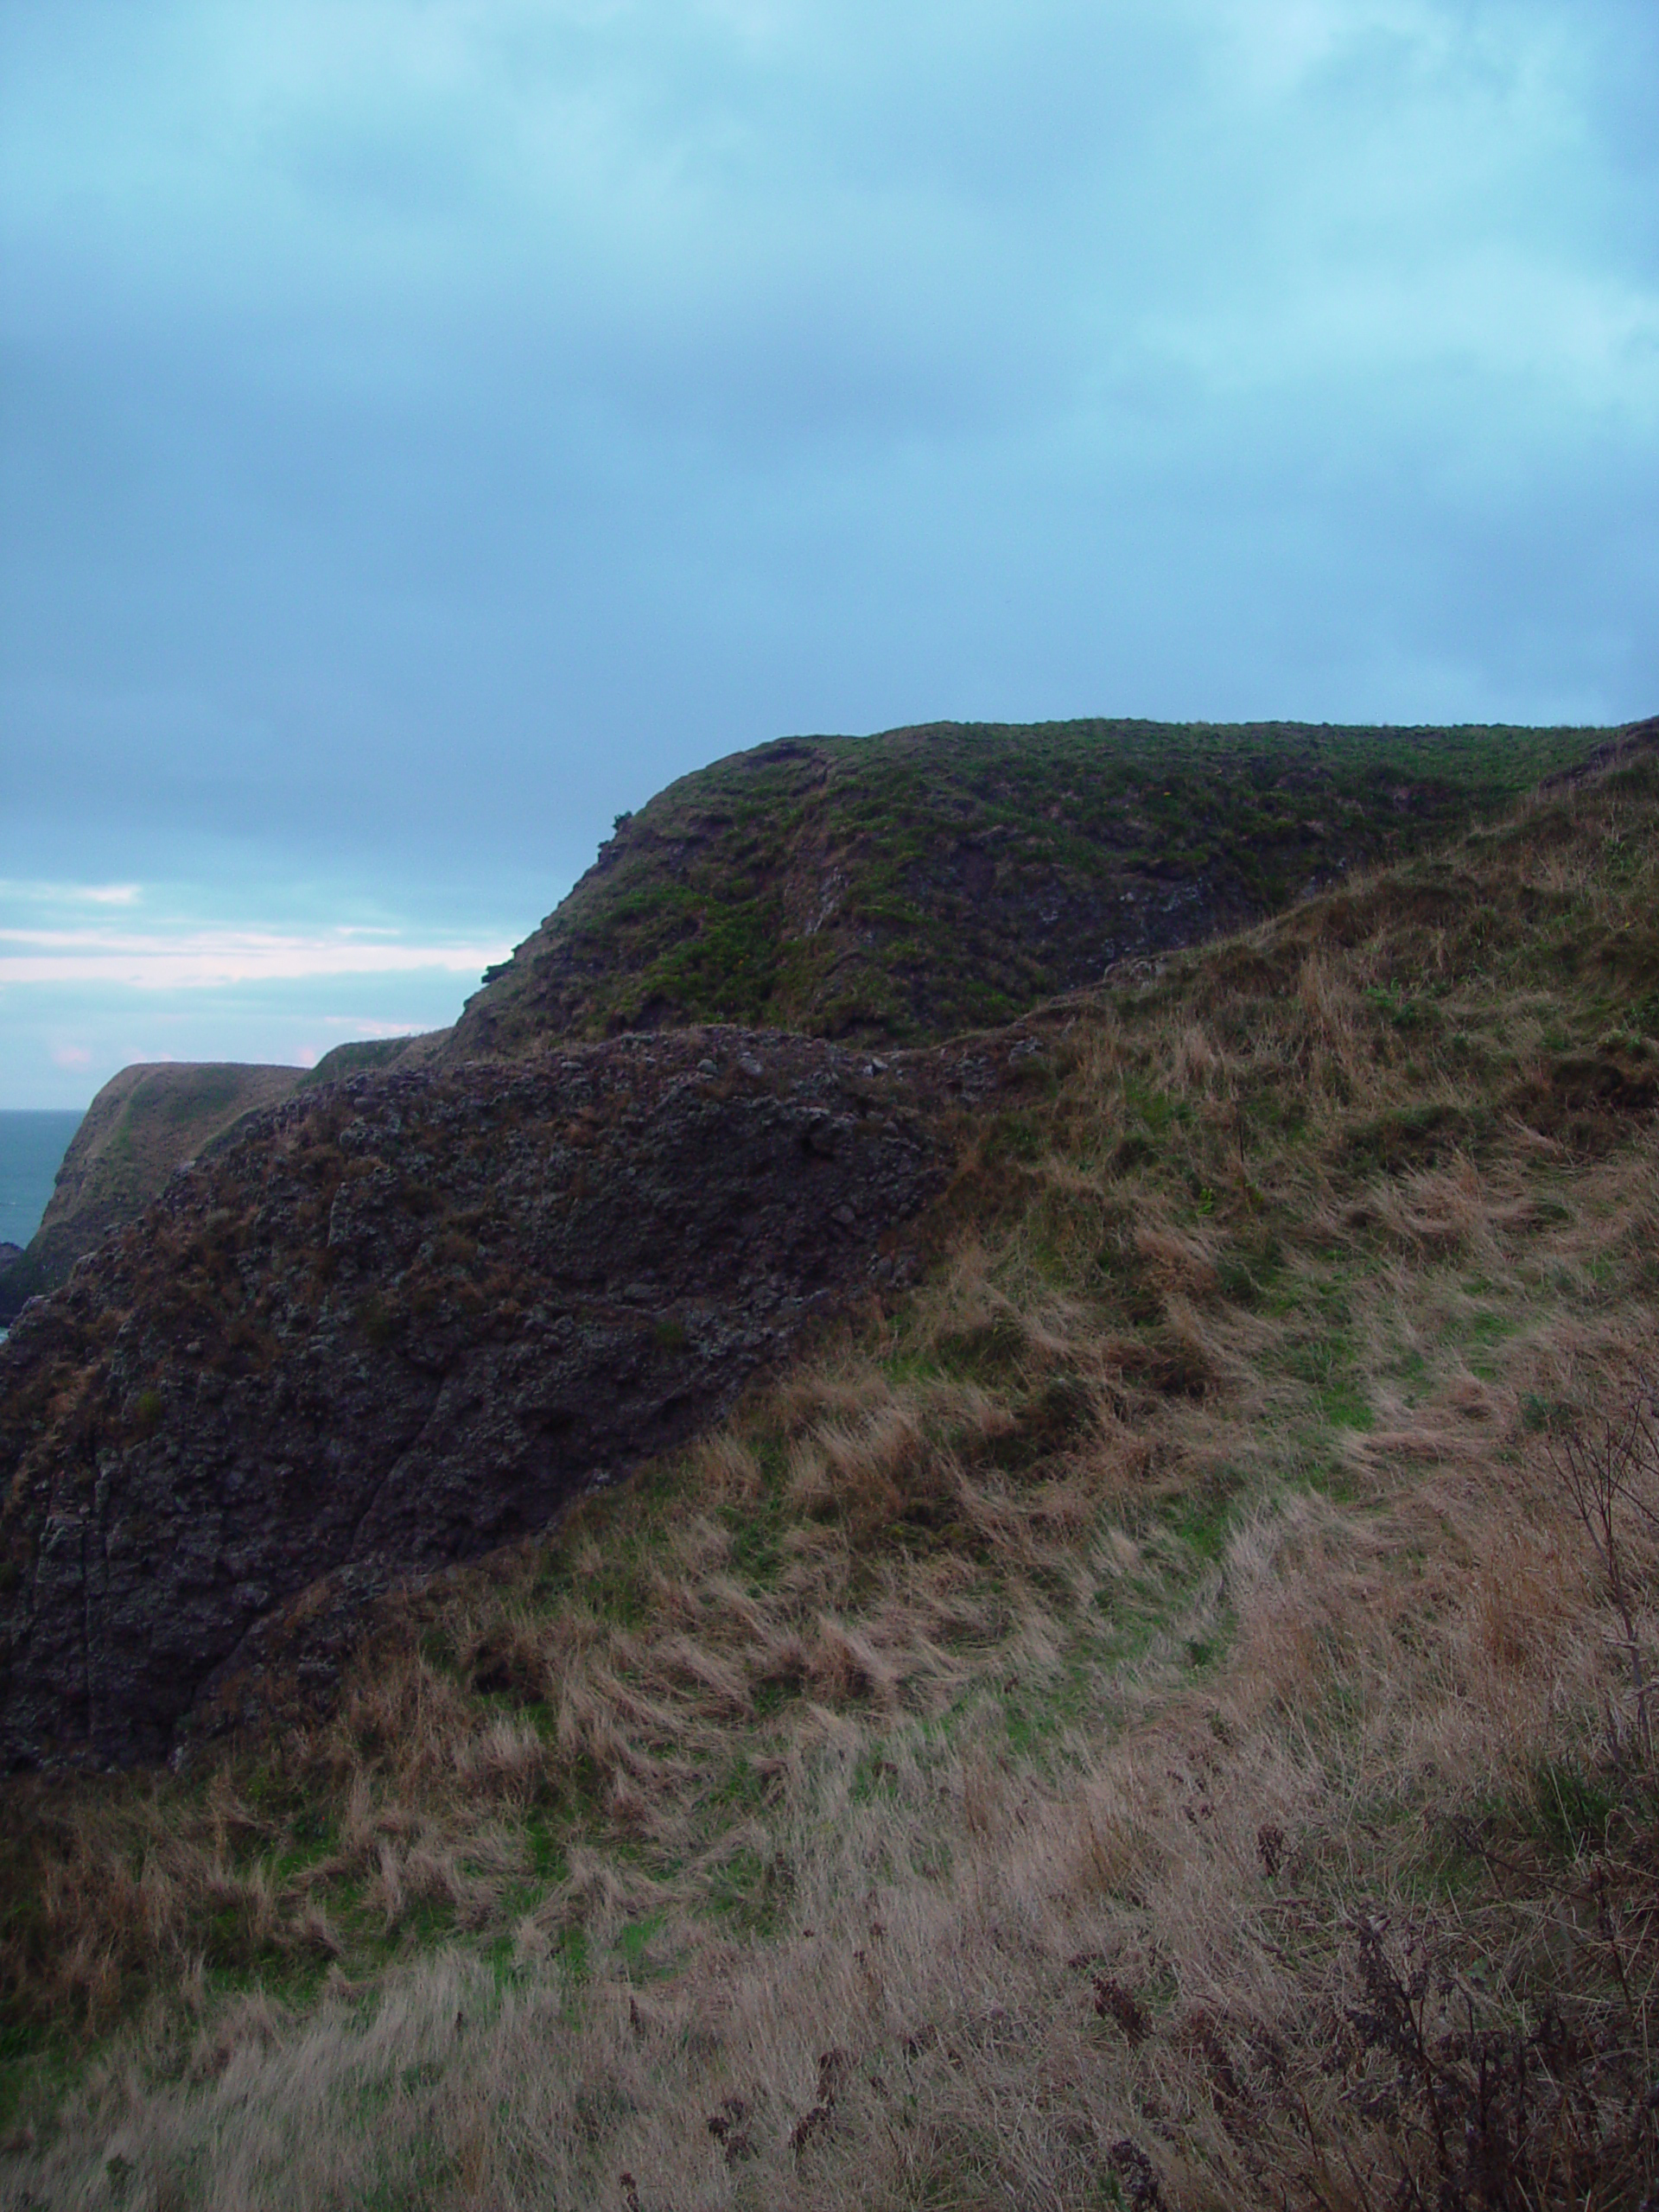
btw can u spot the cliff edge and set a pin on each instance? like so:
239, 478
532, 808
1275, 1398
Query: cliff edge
395, 1323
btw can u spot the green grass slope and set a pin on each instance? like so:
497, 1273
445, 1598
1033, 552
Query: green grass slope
369, 1056
1160, 1713
927, 881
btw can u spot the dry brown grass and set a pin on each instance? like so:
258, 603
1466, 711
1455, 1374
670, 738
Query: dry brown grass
1143, 1722
1134, 1953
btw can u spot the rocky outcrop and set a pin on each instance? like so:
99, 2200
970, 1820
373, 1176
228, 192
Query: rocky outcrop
143, 1123
1622, 750
911, 886
396, 1323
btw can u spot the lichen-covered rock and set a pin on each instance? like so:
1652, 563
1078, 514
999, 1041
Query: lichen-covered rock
396, 1324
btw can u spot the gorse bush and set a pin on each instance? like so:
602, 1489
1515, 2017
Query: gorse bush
1158, 1713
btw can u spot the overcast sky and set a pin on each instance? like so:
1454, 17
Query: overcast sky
430, 426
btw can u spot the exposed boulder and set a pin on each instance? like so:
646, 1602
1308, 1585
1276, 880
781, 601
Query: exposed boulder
396, 1323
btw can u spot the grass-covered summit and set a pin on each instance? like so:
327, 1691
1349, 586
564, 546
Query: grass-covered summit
913, 885
903, 888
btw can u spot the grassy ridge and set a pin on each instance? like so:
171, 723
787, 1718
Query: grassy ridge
1141, 1720
928, 880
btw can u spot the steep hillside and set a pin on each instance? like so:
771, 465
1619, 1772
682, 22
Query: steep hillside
143, 1124
1157, 1710
900, 887
393, 1325
930, 880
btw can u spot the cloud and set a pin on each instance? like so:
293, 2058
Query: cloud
231, 965
365, 1025
433, 424
211, 959
13, 891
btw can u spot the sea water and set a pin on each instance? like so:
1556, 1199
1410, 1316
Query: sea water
32, 1145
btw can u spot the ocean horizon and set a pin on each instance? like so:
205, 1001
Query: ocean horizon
32, 1141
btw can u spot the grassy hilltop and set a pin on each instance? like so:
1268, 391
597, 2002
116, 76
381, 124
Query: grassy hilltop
1159, 1712
915, 884
895, 888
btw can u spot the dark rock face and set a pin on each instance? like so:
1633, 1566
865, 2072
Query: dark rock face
396, 1324
141, 1126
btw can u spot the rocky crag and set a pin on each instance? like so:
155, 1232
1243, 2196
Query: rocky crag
143, 1124
395, 1323
905, 888
894, 889
392, 1322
